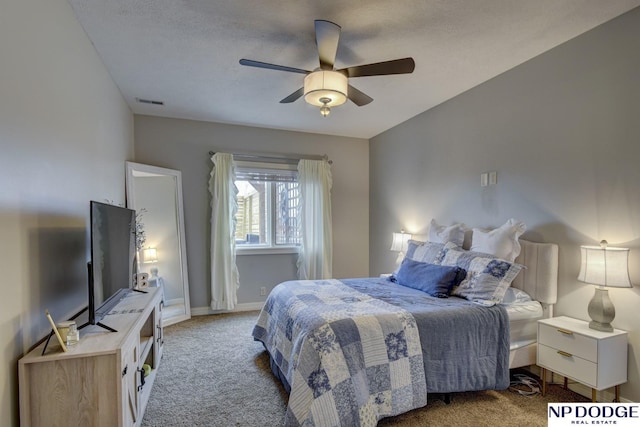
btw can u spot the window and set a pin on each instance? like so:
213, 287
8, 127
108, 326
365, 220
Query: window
268, 203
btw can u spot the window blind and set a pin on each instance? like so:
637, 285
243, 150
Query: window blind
249, 171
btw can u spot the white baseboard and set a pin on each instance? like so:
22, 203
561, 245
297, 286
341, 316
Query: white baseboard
203, 311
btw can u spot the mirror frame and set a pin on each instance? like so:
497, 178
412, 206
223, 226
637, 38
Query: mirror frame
132, 167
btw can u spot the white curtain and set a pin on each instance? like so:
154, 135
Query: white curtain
316, 253
224, 204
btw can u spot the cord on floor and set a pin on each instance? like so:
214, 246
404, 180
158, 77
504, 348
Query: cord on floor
524, 385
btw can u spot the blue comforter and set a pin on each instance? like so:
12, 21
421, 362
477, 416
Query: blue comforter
357, 350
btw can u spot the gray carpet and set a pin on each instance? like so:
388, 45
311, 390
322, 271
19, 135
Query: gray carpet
214, 374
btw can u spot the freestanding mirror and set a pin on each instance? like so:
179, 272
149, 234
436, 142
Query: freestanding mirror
156, 195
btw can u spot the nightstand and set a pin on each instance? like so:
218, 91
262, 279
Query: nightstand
570, 348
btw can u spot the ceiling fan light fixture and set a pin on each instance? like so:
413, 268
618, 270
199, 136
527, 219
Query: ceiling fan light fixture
322, 85
325, 110
325, 87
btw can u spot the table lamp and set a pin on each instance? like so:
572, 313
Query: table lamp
399, 243
605, 267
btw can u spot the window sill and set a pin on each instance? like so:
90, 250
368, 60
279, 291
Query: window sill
267, 251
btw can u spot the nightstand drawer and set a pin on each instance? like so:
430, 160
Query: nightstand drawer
569, 341
568, 365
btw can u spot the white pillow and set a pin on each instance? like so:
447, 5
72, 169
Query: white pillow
501, 242
442, 234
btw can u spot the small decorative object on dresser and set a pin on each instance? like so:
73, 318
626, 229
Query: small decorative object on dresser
572, 349
142, 280
157, 281
55, 331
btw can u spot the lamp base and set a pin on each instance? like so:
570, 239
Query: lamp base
399, 259
604, 327
601, 311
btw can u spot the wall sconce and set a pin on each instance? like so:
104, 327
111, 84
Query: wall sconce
149, 255
605, 267
399, 243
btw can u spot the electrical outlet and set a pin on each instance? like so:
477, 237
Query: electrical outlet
263, 291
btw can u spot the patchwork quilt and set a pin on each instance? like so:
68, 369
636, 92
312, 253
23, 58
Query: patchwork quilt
354, 351
350, 359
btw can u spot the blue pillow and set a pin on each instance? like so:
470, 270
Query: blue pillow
435, 280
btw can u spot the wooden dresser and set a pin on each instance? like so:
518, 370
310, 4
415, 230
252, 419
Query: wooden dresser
100, 381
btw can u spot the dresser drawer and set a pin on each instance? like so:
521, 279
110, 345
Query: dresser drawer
562, 339
571, 366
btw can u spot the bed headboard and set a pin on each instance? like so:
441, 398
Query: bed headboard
540, 278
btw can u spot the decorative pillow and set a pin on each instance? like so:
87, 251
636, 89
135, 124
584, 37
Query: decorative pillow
422, 252
442, 234
435, 280
501, 242
514, 296
487, 277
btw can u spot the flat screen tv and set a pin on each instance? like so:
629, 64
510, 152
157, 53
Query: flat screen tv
113, 258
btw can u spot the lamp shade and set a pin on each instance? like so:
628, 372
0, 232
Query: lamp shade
400, 241
322, 85
605, 266
150, 255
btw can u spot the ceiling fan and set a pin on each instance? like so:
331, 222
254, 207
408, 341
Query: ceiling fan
327, 87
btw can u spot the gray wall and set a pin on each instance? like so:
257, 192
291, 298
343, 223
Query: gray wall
65, 132
563, 133
184, 145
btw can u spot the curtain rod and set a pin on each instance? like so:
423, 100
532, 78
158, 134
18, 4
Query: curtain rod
275, 158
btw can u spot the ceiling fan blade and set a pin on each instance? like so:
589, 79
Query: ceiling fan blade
327, 38
268, 66
293, 97
396, 66
357, 97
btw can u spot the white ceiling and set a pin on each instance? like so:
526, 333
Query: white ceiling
186, 52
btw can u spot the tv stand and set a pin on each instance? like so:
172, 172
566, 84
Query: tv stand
100, 381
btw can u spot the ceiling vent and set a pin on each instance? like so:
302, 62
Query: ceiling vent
149, 101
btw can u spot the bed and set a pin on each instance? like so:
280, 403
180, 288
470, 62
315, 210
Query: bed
353, 351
